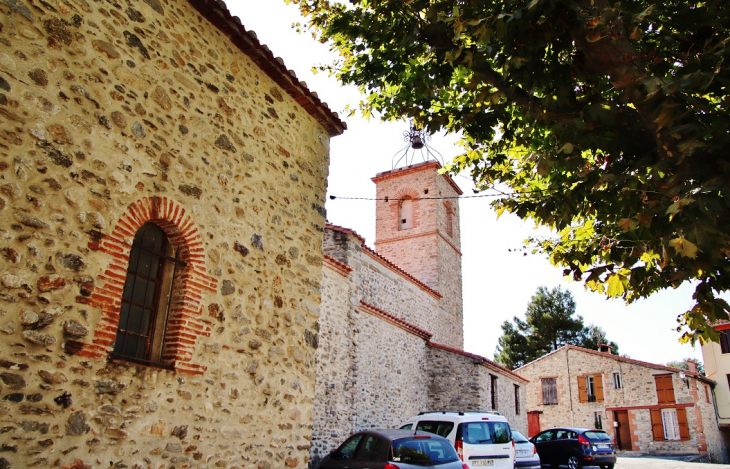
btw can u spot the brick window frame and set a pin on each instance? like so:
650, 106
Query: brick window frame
449, 221
185, 322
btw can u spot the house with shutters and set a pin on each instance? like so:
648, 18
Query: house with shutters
645, 407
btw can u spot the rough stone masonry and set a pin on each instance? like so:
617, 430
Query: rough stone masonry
118, 113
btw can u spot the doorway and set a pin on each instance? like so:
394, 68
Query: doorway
533, 423
623, 432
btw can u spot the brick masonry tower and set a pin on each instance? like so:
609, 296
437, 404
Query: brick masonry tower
417, 228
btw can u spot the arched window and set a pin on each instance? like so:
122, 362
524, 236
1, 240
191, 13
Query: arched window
146, 297
405, 214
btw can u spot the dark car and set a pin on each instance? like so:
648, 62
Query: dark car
393, 449
575, 447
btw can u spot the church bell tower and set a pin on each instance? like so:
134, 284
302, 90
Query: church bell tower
417, 228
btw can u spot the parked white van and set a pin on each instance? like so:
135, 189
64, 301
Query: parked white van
481, 439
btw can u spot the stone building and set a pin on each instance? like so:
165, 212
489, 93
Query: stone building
391, 327
162, 184
646, 408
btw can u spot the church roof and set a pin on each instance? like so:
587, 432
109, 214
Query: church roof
217, 13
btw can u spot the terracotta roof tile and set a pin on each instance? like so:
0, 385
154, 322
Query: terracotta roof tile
482, 361
692, 374
372, 253
217, 13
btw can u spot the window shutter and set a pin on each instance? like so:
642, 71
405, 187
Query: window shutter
657, 428
664, 389
598, 384
683, 424
582, 390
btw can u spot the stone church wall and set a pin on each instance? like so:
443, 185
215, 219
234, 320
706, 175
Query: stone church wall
376, 364
113, 114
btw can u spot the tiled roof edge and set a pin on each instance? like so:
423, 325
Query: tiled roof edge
483, 360
372, 253
396, 321
339, 267
692, 374
218, 14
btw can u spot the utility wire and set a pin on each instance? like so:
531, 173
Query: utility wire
502, 194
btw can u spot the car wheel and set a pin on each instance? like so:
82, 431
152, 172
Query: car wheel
574, 462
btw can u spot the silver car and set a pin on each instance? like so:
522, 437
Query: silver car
526, 454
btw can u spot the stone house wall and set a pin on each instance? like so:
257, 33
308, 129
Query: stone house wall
637, 395
463, 381
118, 113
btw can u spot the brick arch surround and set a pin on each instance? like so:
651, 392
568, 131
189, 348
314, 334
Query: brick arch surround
185, 321
406, 193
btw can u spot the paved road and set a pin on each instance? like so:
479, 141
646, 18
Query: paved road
657, 463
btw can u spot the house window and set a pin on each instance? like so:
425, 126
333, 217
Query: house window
590, 388
494, 391
598, 420
550, 391
617, 380
664, 389
724, 342
670, 424
146, 297
517, 399
405, 214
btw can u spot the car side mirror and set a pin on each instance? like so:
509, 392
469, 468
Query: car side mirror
532, 440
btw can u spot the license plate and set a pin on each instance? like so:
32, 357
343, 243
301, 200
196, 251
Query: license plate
483, 462
602, 446
523, 452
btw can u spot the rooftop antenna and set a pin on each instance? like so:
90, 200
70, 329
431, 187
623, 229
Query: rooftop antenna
417, 145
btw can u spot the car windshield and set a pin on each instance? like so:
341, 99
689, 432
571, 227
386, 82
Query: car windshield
486, 433
519, 437
436, 427
423, 452
597, 436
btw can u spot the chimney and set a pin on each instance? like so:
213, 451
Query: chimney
605, 348
692, 365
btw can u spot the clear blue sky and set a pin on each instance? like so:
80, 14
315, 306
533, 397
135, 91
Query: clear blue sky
498, 283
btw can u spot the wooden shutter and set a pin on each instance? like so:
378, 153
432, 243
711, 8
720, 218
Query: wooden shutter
582, 389
598, 387
683, 424
664, 389
657, 428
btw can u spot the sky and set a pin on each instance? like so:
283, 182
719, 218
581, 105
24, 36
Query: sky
498, 282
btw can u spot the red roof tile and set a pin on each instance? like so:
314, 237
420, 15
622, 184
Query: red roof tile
482, 361
373, 254
217, 13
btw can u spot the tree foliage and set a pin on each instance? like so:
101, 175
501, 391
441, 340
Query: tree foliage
684, 365
609, 121
550, 323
